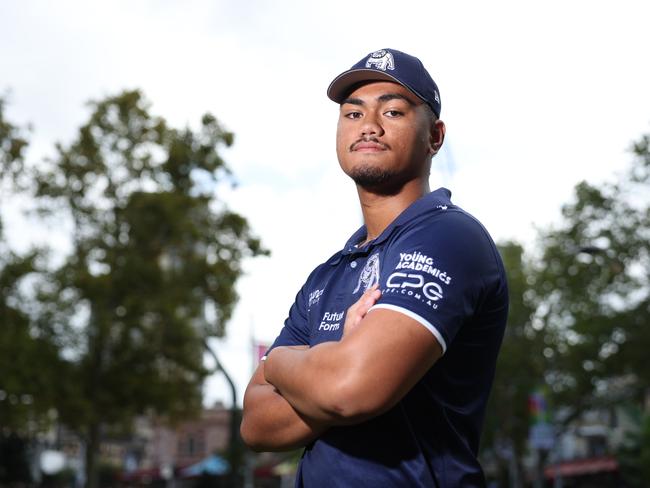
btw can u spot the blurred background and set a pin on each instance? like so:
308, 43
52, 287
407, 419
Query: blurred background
168, 180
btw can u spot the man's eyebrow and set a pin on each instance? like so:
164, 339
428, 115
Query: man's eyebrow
382, 98
353, 101
395, 96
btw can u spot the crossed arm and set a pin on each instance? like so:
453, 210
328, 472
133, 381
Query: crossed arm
298, 392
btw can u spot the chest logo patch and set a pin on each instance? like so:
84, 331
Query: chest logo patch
369, 274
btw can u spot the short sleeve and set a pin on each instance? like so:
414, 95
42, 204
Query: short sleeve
435, 271
295, 331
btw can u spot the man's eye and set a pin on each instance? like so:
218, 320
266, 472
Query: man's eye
353, 115
393, 113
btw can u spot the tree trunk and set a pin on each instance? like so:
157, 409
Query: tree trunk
92, 448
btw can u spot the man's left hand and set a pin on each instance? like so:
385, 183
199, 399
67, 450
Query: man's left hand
360, 308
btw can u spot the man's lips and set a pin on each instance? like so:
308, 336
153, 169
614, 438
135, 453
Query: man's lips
368, 146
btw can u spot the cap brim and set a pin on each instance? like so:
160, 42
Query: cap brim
341, 85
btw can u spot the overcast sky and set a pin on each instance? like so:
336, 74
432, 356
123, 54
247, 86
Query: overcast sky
536, 95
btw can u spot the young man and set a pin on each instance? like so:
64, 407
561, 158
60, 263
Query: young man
383, 368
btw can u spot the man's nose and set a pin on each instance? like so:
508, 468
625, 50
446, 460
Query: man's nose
371, 125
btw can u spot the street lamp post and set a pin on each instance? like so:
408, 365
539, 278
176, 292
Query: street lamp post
233, 447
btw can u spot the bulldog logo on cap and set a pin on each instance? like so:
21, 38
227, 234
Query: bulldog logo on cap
382, 60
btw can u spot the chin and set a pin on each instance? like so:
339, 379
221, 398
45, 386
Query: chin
377, 180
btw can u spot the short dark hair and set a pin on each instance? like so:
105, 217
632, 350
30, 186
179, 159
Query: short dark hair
430, 113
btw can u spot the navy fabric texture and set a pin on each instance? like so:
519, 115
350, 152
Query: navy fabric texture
437, 264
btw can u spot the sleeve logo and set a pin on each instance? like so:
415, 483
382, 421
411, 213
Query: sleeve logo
431, 290
314, 297
421, 262
417, 276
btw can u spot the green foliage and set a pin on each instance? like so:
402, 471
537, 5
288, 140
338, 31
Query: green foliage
155, 257
12, 147
593, 292
63, 479
14, 461
26, 387
579, 316
519, 367
154, 260
634, 455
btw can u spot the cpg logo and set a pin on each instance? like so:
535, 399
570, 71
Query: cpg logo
409, 283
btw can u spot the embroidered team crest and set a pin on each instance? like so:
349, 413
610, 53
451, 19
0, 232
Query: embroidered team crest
382, 60
369, 274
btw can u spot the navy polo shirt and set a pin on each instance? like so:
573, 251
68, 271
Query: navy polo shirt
438, 265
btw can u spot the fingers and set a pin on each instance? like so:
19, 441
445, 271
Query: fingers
367, 300
360, 308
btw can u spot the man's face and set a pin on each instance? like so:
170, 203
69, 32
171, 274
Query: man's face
385, 136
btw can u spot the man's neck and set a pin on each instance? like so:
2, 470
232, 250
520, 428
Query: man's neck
380, 210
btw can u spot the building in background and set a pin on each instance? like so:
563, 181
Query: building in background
159, 450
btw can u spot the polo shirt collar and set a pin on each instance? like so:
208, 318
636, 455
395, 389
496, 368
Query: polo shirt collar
436, 199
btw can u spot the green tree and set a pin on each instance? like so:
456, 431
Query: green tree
634, 455
12, 148
591, 291
520, 368
28, 362
580, 311
154, 260
593, 294
25, 384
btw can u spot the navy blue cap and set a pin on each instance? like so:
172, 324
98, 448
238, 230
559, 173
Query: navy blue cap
389, 65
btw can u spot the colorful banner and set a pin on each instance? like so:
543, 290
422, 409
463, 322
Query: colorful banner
538, 408
541, 434
259, 349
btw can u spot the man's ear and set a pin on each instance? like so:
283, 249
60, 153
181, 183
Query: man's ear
437, 136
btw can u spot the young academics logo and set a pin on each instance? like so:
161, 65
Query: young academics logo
421, 262
418, 284
382, 60
369, 274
